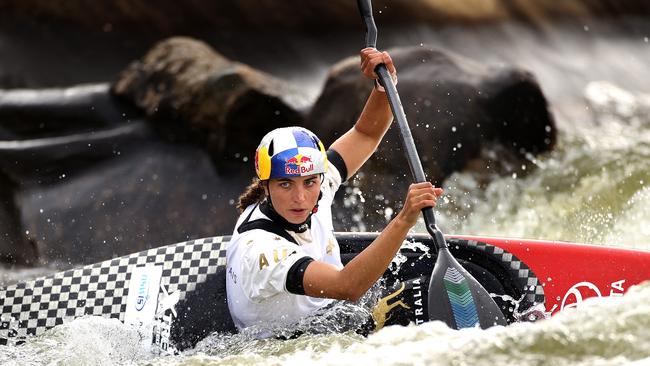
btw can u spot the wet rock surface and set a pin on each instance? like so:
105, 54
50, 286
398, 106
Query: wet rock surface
193, 92
167, 154
153, 194
170, 16
456, 107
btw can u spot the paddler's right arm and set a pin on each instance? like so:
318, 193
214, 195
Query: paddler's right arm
353, 280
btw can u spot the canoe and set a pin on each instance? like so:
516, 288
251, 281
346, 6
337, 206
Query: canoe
176, 293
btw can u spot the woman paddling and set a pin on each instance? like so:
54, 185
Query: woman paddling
283, 259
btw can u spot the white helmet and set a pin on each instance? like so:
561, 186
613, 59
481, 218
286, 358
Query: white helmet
290, 152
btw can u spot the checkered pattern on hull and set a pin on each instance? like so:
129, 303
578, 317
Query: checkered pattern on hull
30, 308
518, 270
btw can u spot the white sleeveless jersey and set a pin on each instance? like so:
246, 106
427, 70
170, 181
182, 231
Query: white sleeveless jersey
258, 263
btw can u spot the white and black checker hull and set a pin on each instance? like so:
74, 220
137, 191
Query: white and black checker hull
101, 289
191, 296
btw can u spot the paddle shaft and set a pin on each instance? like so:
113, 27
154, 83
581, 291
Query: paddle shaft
412, 156
453, 296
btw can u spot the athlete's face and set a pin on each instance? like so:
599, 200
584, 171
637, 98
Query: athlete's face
294, 198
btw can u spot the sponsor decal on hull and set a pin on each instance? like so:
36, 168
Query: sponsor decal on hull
582, 290
143, 294
165, 316
380, 313
417, 301
142, 301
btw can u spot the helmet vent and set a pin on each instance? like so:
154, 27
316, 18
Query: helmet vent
271, 148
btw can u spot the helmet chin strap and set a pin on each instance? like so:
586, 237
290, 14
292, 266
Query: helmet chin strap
267, 208
315, 209
320, 195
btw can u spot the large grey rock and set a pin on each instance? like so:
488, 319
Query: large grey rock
153, 195
14, 246
33, 113
191, 90
48, 132
456, 108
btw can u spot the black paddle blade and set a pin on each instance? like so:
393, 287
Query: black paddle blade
456, 298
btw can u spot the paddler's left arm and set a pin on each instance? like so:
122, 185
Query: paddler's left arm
361, 141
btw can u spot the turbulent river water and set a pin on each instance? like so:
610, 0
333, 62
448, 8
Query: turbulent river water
594, 188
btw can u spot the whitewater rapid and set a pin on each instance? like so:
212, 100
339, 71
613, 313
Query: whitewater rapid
593, 189
602, 331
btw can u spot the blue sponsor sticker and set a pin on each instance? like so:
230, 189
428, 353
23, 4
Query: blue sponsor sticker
143, 292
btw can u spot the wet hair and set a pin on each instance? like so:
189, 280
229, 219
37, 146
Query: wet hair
254, 193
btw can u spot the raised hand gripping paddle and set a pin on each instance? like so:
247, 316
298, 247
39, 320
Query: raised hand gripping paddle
455, 297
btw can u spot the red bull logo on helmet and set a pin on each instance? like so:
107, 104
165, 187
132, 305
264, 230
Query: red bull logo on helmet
298, 165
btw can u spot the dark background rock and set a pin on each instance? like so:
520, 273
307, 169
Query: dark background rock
14, 246
154, 194
106, 193
456, 108
46, 133
191, 91
45, 160
28, 113
168, 17
64, 43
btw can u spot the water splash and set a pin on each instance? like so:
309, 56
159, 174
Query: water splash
591, 190
399, 259
84, 341
533, 313
604, 331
